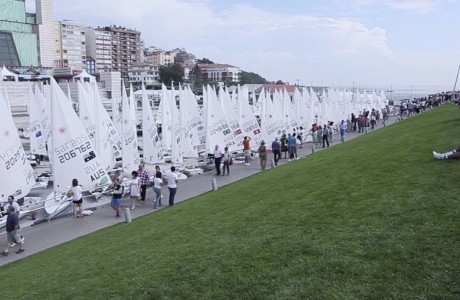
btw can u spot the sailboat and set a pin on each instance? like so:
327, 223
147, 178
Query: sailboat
153, 150
74, 156
16, 173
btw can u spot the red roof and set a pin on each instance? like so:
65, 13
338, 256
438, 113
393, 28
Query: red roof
280, 87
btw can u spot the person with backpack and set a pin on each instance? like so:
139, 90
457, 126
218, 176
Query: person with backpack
228, 161
263, 155
117, 195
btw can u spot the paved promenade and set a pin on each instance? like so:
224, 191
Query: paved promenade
46, 235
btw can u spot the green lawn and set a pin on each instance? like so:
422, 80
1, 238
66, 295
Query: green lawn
373, 218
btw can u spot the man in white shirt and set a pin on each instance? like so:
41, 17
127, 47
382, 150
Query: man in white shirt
17, 210
217, 159
171, 177
13, 203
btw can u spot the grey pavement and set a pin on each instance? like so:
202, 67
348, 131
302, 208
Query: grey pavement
49, 234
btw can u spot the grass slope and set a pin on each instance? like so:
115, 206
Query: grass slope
376, 217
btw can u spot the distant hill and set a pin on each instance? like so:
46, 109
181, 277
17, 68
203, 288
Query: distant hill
252, 78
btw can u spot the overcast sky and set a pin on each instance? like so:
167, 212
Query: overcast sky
329, 42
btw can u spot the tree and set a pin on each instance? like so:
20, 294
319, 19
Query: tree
252, 78
204, 60
279, 82
170, 73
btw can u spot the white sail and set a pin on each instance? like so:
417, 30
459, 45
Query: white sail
188, 124
44, 112
130, 152
233, 121
218, 131
74, 154
248, 121
108, 141
16, 173
153, 150
272, 126
176, 153
86, 110
198, 132
116, 114
37, 134
166, 125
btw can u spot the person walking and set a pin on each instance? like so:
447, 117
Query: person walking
76, 192
276, 147
330, 131
17, 210
246, 150
172, 185
292, 143
117, 195
262, 155
160, 174
284, 145
144, 179
157, 184
343, 128
228, 159
217, 159
12, 235
319, 134
325, 136
135, 189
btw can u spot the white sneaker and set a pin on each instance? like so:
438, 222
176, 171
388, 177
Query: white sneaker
15, 244
289, 159
438, 155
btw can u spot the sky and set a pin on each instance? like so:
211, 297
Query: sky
395, 43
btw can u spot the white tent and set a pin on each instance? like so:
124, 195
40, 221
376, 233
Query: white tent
6, 74
84, 77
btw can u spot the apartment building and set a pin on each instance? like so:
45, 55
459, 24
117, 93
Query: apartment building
219, 73
99, 47
160, 58
47, 28
126, 48
146, 73
72, 52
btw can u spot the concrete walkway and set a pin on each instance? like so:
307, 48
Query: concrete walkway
44, 236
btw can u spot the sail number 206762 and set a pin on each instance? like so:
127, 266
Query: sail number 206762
73, 153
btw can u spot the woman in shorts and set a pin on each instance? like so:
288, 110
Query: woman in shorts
76, 193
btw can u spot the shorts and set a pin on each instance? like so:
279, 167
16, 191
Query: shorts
116, 202
247, 152
78, 201
13, 236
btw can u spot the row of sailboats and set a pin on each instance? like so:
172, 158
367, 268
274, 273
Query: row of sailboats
87, 146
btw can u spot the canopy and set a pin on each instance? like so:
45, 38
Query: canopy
84, 77
5, 74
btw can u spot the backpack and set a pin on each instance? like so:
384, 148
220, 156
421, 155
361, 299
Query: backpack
230, 160
119, 190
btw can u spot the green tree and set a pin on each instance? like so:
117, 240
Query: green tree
204, 60
170, 73
279, 82
252, 78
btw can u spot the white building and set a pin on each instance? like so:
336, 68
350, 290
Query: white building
146, 73
48, 50
160, 58
73, 45
99, 47
220, 73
